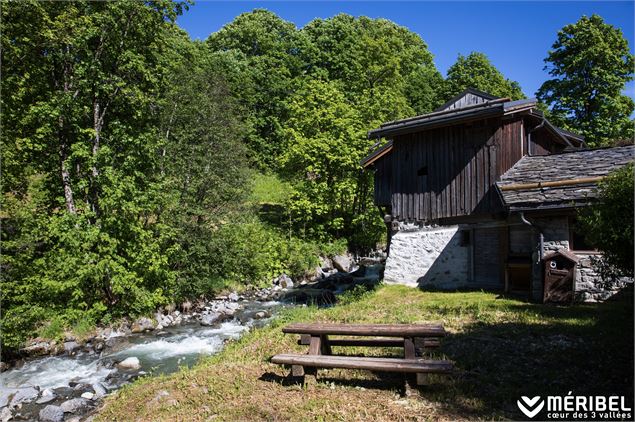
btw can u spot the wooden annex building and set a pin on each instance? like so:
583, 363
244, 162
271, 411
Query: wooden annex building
478, 193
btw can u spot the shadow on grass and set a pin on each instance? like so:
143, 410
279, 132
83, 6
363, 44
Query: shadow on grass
585, 349
538, 350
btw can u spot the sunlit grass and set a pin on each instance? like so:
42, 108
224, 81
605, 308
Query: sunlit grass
502, 348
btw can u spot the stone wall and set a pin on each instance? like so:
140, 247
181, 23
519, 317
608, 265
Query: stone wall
588, 283
427, 257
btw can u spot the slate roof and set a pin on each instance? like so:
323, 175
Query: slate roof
586, 165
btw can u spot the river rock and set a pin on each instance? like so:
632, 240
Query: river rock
52, 414
233, 296
5, 414
141, 325
99, 390
88, 395
37, 347
4, 366
285, 281
261, 314
211, 319
342, 263
130, 363
75, 405
5, 395
24, 395
71, 346
47, 396
326, 264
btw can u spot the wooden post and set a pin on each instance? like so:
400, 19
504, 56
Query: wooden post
315, 348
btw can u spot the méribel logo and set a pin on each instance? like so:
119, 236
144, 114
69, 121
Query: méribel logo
527, 404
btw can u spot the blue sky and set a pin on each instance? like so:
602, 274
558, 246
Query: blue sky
515, 35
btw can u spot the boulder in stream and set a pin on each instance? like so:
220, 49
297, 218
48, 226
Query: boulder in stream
343, 263
78, 405
71, 346
211, 318
141, 325
52, 414
37, 347
24, 395
5, 414
131, 363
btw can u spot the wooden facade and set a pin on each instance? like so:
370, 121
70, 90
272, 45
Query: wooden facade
448, 172
442, 168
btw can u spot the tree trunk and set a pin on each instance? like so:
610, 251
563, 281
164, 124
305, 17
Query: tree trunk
66, 177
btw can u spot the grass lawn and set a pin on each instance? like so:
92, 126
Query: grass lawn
502, 348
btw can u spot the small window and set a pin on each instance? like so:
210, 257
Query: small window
423, 171
577, 240
465, 238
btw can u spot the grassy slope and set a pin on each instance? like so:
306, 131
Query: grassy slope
503, 348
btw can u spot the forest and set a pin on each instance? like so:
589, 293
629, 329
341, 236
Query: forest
142, 168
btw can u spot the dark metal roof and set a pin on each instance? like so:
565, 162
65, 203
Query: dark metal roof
561, 180
499, 106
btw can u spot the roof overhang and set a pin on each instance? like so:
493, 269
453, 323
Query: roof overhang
377, 154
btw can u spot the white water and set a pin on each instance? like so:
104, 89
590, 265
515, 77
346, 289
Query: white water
157, 353
56, 371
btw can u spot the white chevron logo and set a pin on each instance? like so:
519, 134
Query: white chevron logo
530, 403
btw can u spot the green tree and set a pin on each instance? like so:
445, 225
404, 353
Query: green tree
268, 53
476, 71
590, 63
80, 234
370, 57
326, 141
203, 160
608, 224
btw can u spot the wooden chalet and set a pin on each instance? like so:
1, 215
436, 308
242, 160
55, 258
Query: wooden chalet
476, 192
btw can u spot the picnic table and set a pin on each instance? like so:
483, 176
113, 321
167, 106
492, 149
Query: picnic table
413, 338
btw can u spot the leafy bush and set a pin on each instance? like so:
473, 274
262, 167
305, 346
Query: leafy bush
608, 224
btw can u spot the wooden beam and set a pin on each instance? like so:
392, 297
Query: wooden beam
372, 364
385, 330
557, 183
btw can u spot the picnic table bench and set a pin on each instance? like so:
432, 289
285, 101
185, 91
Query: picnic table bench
415, 339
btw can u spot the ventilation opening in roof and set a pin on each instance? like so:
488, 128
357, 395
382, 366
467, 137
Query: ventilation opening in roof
423, 171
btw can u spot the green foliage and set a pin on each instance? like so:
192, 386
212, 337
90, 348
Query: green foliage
608, 224
476, 71
248, 250
325, 145
590, 63
269, 189
269, 54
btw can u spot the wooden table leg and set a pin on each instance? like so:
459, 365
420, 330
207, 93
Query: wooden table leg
315, 348
410, 353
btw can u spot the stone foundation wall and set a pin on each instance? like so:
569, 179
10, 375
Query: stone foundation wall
588, 283
427, 257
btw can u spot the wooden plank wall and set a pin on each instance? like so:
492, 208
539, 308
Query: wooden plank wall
462, 163
542, 143
382, 180
466, 100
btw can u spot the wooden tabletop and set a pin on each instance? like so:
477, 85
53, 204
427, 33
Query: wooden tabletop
385, 330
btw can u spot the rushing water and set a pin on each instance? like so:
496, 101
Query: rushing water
158, 352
